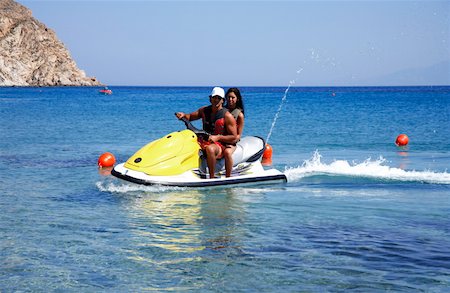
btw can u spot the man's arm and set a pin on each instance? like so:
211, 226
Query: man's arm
240, 128
230, 125
192, 116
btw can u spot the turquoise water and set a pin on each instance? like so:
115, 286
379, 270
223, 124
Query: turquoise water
358, 214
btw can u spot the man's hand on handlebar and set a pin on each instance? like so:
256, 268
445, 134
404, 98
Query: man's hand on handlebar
180, 115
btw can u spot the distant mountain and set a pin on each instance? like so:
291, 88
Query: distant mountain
32, 55
437, 74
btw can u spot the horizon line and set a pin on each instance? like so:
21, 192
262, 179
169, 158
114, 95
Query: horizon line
227, 86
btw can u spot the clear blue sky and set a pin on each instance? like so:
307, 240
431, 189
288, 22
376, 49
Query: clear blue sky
254, 43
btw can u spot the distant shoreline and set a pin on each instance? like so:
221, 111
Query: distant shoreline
243, 86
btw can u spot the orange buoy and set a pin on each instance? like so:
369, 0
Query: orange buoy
106, 160
267, 155
402, 140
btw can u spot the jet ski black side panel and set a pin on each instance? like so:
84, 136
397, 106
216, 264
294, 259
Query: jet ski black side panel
205, 182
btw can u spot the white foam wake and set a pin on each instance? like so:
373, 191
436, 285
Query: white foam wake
129, 187
368, 169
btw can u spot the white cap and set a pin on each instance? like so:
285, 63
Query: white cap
218, 91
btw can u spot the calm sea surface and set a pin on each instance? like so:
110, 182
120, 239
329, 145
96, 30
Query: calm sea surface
358, 213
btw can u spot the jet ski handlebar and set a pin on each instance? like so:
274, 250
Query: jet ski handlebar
199, 132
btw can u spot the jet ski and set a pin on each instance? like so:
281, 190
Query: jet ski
177, 160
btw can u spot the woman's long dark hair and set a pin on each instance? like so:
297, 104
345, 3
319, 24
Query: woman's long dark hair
240, 102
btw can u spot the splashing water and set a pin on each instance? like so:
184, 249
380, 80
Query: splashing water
374, 169
292, 82
126, 188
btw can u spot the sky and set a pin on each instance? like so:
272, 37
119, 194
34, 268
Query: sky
254, 43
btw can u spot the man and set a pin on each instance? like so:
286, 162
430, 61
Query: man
217, 121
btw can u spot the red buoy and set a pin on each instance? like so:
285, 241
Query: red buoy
106, 160
402, 140
267, 155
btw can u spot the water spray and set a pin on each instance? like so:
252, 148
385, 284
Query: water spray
291, 83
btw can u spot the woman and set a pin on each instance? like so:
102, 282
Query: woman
235, 106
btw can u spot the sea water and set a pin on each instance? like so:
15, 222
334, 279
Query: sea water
358, 213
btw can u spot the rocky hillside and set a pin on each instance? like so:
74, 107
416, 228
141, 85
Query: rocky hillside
31, 54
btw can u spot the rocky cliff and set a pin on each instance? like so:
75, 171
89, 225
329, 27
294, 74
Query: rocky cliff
31, 54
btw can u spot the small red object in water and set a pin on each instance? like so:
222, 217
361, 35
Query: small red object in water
402, 140
106, 92
106, 160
